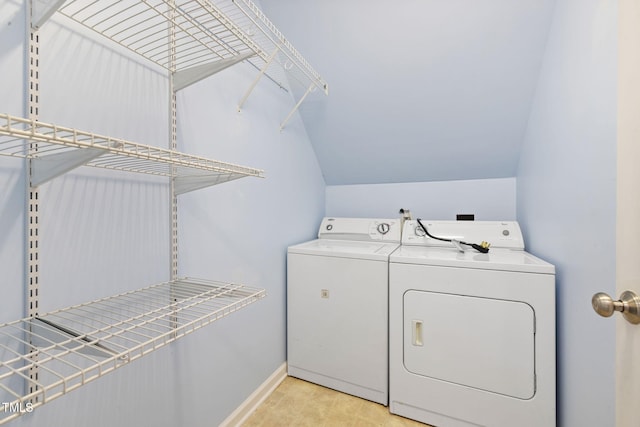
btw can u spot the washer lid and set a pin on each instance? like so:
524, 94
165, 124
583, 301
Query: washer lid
345, 249
496, 259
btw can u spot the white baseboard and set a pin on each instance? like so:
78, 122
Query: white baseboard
252, 402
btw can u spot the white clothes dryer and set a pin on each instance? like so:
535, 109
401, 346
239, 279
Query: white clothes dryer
337, 306
471, 335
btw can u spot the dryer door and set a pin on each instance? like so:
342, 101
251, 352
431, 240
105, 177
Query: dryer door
484, 343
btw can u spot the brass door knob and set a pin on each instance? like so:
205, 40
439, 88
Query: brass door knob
628, 305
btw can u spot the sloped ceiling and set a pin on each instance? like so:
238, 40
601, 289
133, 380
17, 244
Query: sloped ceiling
420, 90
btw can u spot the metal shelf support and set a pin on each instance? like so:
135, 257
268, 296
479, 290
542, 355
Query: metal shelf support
263, 70
185, 184
268, 35
32, 243
189, 76
309, 90
41, 11
45, 168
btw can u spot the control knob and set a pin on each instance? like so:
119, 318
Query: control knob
383, 228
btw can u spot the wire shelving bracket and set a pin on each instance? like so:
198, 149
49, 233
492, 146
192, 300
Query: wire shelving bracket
273, 45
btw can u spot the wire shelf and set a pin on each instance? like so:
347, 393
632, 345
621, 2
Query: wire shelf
76, 345
76, 147
204, 31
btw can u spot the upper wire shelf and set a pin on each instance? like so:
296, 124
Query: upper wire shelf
61, 149
187, 35
202, 32
76, 345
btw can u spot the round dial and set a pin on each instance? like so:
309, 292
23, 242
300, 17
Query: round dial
419, 231
383, 228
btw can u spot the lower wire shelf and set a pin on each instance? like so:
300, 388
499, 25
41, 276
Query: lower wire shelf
45, 357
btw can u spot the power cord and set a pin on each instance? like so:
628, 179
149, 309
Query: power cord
482, 247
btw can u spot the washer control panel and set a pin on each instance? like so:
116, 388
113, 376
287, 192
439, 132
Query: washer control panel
374, 229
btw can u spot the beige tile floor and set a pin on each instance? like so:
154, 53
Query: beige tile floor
299, 403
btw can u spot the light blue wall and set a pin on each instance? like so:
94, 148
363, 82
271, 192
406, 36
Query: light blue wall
420, 90
11, 170
103, 233
566, 199
488, 199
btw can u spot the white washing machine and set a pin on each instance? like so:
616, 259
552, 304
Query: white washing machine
471, 335
337, 306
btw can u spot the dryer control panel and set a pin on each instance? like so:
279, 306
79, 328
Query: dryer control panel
372, 229
500, 234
